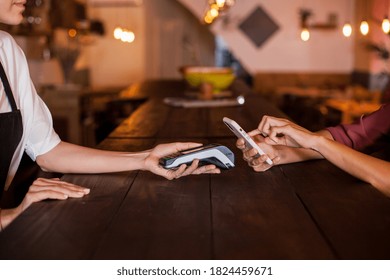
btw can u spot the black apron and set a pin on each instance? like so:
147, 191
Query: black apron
11, 131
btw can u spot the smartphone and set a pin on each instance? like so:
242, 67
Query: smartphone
216, 154
240, 133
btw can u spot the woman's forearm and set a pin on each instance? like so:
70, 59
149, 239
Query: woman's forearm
367, 168
70, 158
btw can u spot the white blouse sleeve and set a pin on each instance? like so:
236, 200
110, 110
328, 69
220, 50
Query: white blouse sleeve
39, 135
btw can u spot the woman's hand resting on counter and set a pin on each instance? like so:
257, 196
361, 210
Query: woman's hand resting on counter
43, 189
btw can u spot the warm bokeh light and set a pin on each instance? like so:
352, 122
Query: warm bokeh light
220, 3
124, 35
207, 19
215, 9
347, 30
223, 4
364, 28
72, 32
127, 36
240, 99
305, 34
386, 25
214, 12
118, 32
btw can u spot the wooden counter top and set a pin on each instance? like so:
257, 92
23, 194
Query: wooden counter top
309, 210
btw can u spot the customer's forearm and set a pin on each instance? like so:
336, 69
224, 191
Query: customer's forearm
291, 155
367, 168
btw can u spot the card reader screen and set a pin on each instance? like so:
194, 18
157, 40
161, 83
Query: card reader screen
193, 150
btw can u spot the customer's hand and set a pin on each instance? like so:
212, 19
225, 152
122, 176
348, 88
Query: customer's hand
42, 189
152, 161
257, 162
284, 132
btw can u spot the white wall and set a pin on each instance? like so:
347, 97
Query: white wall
167, 37
175, 37
379, 10
112, 62
326, 51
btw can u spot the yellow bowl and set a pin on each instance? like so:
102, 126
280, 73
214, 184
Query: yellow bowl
219, 77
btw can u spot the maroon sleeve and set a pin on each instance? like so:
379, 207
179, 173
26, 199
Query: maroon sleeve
366, 131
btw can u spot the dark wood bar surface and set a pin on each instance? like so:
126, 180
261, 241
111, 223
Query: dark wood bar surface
309, 210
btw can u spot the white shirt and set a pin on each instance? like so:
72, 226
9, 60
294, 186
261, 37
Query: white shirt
39, 136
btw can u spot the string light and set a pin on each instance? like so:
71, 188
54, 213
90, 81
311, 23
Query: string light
364, 27
386, 22
122, 33
215, 9
118, 32
386, 25
304, 16
305, 34
347, 29
127, 36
